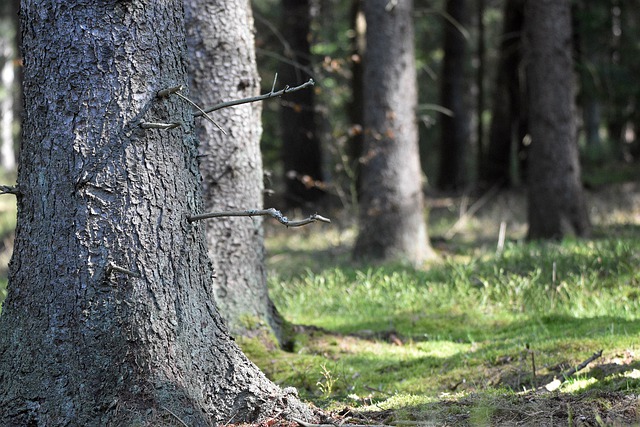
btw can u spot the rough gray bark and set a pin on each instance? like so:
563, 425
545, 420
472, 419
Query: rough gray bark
82, 342
455, 128
556, 200
392, 224
222, 67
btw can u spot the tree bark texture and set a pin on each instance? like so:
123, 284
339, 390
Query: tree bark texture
556, 200
455, 128
392, 224
110, 317
301, 153
222, 67
508, 120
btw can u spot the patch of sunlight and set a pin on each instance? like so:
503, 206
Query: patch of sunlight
578, 384
635, 374
443, 349
399, 401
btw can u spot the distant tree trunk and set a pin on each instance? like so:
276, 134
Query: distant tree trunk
480, 74
588, 21
222, 67
455, 127
356, 109
301, 154
392, 223
556, 200
110, 318
507, 118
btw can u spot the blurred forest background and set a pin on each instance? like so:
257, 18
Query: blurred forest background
491, 136
469, 141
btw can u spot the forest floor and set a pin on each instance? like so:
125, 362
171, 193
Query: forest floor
486, 335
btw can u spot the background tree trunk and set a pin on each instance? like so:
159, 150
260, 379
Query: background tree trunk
301, 153
356, 109
392, 223
222, 67
83, 342
556, 201
454, 127
507, 118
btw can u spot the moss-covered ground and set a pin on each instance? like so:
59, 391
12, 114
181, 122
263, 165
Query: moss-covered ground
483, 336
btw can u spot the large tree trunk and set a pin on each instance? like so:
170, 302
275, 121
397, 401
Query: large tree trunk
110, 317
507, 118
454, 127
556, 201
221, 32
392, 223
301, 153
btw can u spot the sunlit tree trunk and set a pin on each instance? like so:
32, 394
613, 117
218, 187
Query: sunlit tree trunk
392, 223
556, 200
110, 317
222, 67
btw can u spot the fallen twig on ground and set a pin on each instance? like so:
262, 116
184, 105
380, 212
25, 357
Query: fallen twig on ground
553, 385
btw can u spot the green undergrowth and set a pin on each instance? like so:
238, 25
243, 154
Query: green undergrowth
459, 336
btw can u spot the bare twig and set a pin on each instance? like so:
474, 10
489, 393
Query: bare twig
166, 92
553, 385
581, 366
203, 113
9, 189
112, 268
163, 126
174, 415
533, 365
274, 213
501, 236
271, 94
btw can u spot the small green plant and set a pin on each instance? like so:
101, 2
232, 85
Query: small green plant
327, 383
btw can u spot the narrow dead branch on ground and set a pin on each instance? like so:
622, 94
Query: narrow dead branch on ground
553, 385
274, 213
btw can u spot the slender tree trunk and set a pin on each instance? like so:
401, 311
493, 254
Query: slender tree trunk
507, 117
110, 317
356, 109
455, 127
221, 32
556, 200
480, 73
301, 153
392, 224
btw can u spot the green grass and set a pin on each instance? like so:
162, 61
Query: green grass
456, 339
